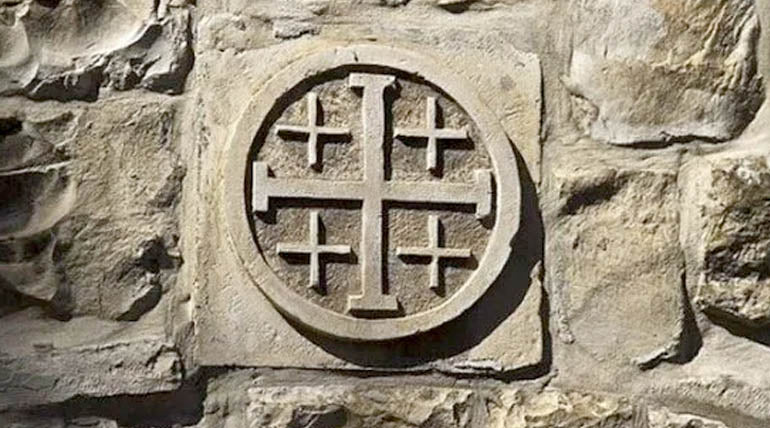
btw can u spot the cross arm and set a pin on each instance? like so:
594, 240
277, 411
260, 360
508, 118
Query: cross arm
444, 253
478, 193
440, 133
304, 130
282, 248
336, 249
265, 187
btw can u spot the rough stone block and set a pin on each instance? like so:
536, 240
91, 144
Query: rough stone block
656, 71
20, 420
614, 265
663, 418
727, 380
341, 406
38, 192
70, 50
239, 401
727, 235
90, 224
47, 361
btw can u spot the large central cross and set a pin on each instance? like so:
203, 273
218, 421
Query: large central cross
373, 191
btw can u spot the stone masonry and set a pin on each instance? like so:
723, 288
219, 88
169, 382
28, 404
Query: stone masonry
384, 214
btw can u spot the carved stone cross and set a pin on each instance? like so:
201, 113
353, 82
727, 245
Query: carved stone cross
434, 251
314, 249
313, 130
373, 192
433, 134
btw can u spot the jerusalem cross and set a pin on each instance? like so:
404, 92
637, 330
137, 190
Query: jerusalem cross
372, 192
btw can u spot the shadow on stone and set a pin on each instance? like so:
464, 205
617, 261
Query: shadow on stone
468, 330
182, 407
759, 335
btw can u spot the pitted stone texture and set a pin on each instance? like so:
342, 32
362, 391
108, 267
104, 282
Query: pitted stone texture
613, 259
727, 235
69, 50
342, 406
656, 71
46, 361
234, 403
38, 191
663, 418
109, 248
124, 234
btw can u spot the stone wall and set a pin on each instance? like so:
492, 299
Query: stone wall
384, 213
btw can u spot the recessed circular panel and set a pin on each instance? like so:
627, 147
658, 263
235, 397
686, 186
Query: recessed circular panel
370, 194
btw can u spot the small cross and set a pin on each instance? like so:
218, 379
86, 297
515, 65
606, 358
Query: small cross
432, 134
435, 251
313, 130
314, 249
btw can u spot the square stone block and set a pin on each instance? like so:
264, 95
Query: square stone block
441, 224
614, 263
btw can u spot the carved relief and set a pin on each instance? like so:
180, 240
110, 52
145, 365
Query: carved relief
370, 209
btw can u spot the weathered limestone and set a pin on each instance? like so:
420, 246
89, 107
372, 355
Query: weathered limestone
70, 201
663, 418
726, 225
236, 401
70, 52
351, 406
613, 258
89, 230
654, 71
727, 377
47, 361
286, 167
39, 191
384, 213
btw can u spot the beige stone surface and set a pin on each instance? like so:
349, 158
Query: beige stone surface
73, 51
89, 241
514, 283
47, 361
614, 265
655, 71
724, 197
663, 418
630, 288
240, 402
92, 211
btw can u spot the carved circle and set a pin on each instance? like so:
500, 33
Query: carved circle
237, 206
